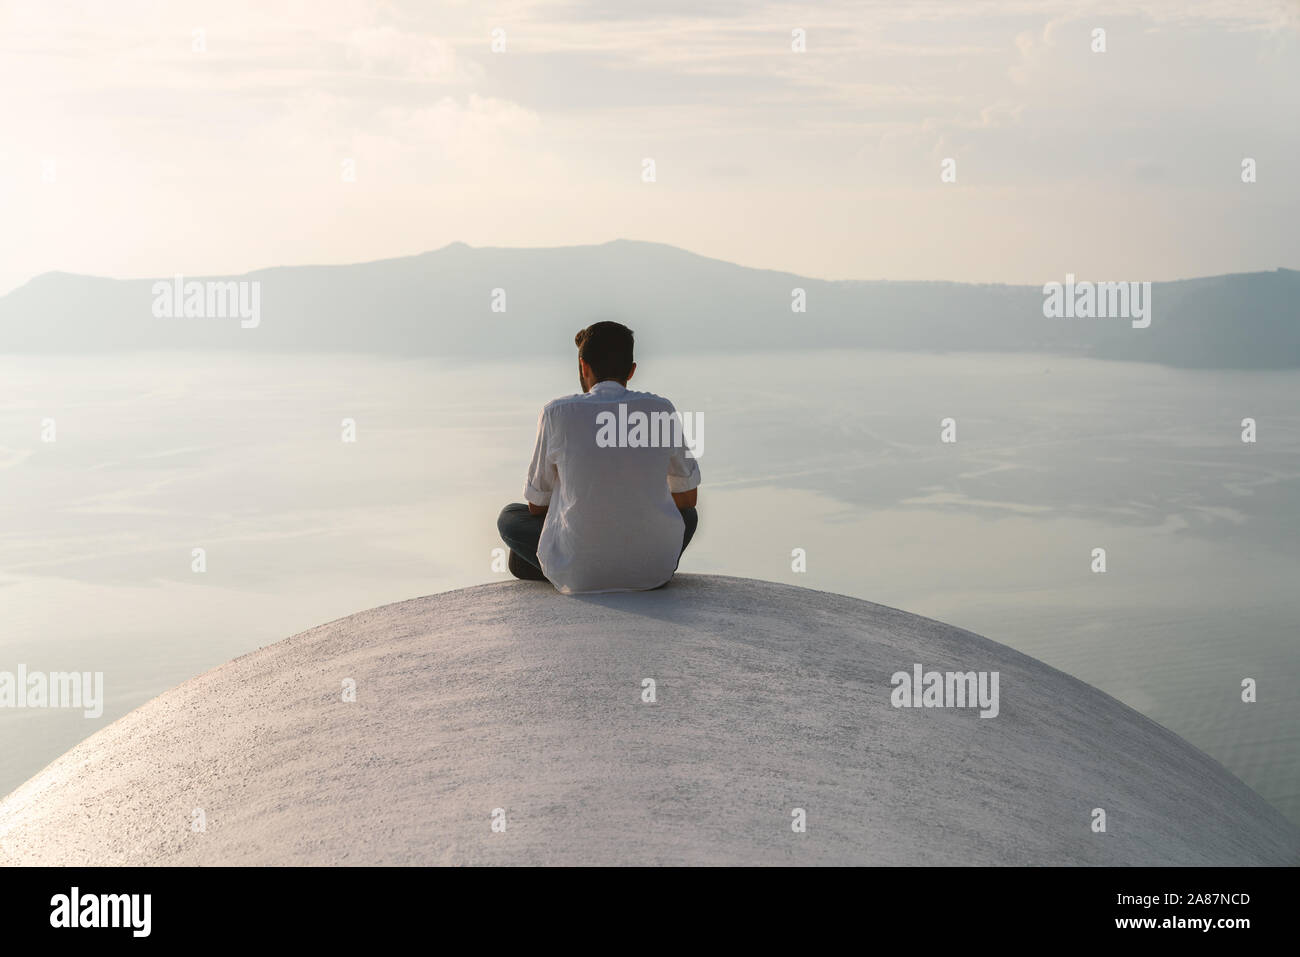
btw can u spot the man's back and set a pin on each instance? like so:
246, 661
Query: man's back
605, 463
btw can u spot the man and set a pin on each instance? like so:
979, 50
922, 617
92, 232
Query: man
606, 509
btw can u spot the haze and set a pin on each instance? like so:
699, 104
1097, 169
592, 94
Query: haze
126, 152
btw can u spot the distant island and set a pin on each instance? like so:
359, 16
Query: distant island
474, 302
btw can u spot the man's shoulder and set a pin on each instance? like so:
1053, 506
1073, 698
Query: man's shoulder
563, 401
650, 398
586, 398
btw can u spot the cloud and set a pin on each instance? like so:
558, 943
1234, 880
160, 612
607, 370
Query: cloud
147, 133
389, 52
470, 132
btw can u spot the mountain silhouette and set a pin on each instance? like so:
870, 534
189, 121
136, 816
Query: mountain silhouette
440, 303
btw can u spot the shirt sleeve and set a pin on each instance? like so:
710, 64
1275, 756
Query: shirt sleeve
542, 474
683, 469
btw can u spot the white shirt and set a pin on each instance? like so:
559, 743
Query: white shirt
612, 524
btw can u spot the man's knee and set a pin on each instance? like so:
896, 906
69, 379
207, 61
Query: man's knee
509, 517
691, 519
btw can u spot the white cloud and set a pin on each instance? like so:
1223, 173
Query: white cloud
230, 158
387, 51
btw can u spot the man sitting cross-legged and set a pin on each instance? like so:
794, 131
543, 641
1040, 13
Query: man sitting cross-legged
604, 515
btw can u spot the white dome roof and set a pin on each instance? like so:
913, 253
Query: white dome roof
768, 698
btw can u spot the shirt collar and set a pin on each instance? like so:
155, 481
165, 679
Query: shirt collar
607, 386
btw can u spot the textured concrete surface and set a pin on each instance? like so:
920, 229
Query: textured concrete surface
512, 696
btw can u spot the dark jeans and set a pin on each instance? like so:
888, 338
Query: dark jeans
521, 530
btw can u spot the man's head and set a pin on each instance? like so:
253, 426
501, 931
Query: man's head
604, 352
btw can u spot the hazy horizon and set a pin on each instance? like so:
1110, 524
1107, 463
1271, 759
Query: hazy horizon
458, 300
1294, 266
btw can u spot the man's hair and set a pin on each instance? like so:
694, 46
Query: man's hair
607, 347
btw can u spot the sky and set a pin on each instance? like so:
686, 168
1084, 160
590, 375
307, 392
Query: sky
142, 139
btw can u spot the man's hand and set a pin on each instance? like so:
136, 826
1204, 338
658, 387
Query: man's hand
684, 499
537, 509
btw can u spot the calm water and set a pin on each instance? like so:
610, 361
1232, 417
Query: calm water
838, 454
